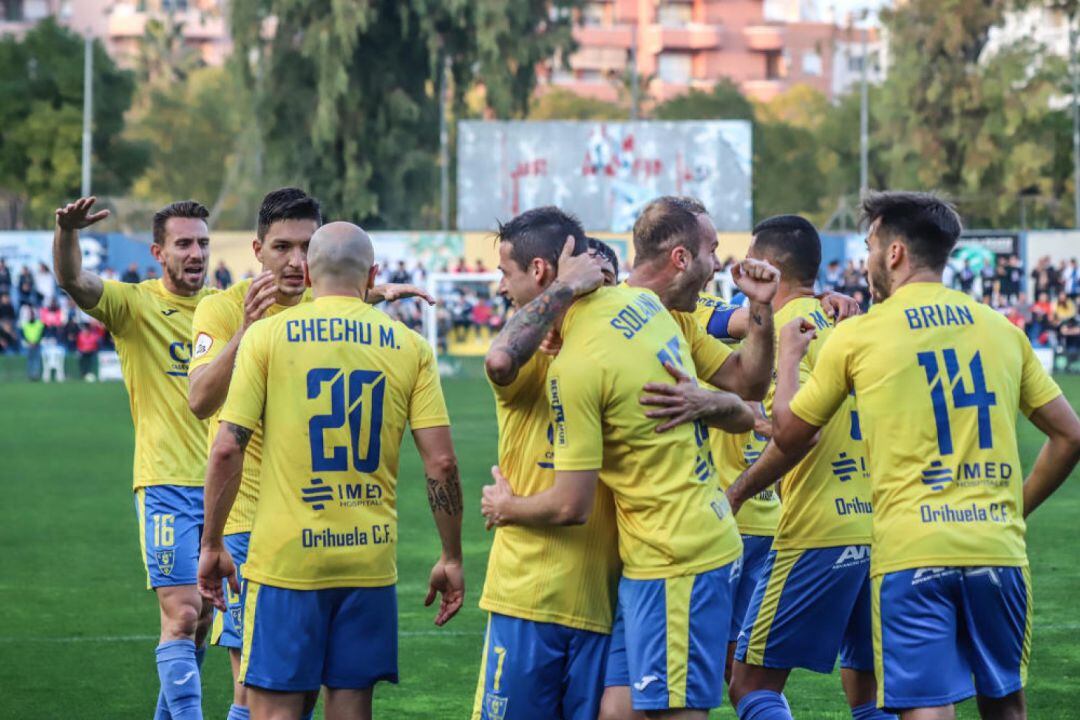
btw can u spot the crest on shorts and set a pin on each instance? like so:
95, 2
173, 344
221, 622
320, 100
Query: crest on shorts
237, 618
495, 706
165, 560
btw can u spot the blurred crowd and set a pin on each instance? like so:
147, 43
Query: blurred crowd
38, 321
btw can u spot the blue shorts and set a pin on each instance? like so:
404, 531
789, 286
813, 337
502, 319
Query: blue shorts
297, 640
538, 671
810, 606
674, 640
752, 565
943, 634
170, 528
228, 629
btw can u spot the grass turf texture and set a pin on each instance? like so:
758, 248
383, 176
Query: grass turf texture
79, 631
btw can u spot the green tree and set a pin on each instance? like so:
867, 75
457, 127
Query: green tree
41, 81
348, 93
954, 117
561, 104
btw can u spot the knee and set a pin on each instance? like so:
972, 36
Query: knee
182, 621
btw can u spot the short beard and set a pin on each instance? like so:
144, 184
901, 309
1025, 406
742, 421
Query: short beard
880, 286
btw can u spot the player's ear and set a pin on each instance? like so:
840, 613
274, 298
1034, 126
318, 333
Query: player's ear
256, 246
155, 251
372, 274
897, 253
680, 257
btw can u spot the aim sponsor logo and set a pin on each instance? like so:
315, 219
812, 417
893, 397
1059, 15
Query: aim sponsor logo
852, 555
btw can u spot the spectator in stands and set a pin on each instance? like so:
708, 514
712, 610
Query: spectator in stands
481, 317
151, 273
419, 272
26, 287
480, 267
1071, 281
53, 318
70, 333
1064, 309
44, 283
1042, 318
401, 274
131, 275
5, 278
1016, 276
8, 339
88, 344
834, 276
461, 266
1069, 339
965, 279
32, 331
222, 276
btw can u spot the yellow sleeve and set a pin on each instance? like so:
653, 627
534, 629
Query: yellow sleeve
247, 390
708, 352
211, 331
821, 394
114, 308
427, 408
529, 376
1036, 386
575, 393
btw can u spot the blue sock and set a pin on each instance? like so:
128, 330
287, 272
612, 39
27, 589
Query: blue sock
179, 674
869, 711
200, 655
238, 712
161, 712
763, 705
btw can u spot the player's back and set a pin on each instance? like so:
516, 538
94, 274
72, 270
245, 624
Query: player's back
827, 494
672, 518
938, 381
342, 382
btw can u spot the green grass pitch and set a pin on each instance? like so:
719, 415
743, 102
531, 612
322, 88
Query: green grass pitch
78, 631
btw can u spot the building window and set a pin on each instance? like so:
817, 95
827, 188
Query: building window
811, 63
593, 14
13, 10
675, 67
773, 69
675, 14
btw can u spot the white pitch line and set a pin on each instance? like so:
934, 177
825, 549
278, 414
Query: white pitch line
8, 640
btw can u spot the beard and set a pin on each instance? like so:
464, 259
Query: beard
880, 283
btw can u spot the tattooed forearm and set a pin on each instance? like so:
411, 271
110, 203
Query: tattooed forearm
242, 434
445, 495
526, 329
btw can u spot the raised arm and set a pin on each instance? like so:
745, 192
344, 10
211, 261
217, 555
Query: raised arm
1058, 421
85, 288
568, 501
436, 450
523, 333
792, 435
223, 471
209, 384
748, 371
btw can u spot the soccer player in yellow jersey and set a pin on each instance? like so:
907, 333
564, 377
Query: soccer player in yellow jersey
549, 591
938, 381
286, 221
151, 324
320, 607
812, 601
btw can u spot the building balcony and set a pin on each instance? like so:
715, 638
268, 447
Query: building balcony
764, 38
762, 90
618, 36
600, 58
197, 25
694, 36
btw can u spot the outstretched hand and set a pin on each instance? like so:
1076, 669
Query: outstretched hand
77, 215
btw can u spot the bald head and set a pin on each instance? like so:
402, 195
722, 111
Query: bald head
340, 253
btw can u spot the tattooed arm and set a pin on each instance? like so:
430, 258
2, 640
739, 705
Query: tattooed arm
436, 449
522, 335
222, 482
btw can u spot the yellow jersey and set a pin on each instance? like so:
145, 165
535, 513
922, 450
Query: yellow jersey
938, 379
563, 575
827, 495
152, 330
673, 520
334, 383
217, 319
736, 452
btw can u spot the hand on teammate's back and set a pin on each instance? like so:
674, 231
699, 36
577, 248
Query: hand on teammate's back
552, 343
447, 579
76, 215
758, 280
839, 307
215, 565
260, 297
581, 273
795, 337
